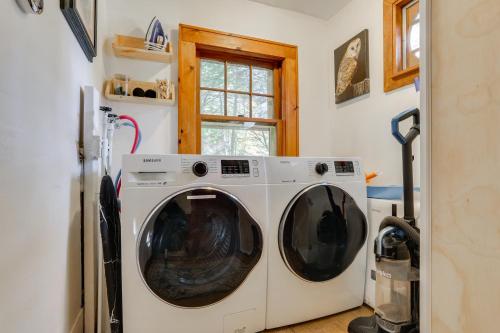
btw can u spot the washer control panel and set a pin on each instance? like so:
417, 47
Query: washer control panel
175, 170
235, 168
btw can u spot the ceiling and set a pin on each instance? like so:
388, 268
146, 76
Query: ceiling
323, 9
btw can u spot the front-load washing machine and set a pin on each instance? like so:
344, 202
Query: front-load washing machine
194, 244
317, 238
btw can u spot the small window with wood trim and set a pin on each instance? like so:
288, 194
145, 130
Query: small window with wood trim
239, 105
401, 43
238, 95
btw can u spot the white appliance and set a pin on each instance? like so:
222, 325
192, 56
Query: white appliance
193, 244
378, 209
317, 238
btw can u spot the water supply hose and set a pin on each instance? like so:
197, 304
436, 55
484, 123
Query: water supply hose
137, 142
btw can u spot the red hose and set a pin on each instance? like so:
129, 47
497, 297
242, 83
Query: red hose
136, 128
134, 146
118, 188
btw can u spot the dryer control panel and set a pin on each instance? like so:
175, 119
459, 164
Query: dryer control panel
344, 168
286, 170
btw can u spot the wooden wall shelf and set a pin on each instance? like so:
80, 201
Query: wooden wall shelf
133, 48
109, 93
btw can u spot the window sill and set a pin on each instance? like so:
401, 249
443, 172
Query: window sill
406, 72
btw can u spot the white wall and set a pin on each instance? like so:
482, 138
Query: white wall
42, 69
362, 127
236, 16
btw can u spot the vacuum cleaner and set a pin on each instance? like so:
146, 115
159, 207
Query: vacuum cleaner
397, 254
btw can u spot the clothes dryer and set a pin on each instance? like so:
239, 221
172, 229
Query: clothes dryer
317, 238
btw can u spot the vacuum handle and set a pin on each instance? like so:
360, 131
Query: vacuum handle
415, 129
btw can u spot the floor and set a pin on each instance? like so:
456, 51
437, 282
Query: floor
334, 324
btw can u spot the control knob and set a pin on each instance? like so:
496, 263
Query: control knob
321, 168
200, 169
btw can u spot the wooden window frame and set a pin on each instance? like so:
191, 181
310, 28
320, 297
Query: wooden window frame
196, 42
394, 75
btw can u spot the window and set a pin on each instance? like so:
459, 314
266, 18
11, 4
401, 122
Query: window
230, 89
237, 95
401, 43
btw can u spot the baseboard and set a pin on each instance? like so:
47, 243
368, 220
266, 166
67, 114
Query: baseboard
78, 324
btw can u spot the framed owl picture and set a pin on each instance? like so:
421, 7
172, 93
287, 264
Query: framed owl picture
352, 68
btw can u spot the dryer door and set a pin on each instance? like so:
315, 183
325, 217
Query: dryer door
321, 233
197, 247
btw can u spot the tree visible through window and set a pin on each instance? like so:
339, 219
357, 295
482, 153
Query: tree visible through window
237, 100
238, 139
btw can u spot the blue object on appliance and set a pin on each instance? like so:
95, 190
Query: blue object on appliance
387, 192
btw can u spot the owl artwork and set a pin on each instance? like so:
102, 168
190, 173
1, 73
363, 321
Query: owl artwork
348, 66
351, 65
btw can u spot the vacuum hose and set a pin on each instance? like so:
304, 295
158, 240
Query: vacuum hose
391, 221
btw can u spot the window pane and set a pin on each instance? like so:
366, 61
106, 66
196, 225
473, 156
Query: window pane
237, 139
262, 107
238, 105
411, 34
414, 36
212, 74
238, 77
413, 47
262, 81
211, 102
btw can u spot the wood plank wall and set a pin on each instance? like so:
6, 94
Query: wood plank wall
465, 166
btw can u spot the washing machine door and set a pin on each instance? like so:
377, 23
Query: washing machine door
197, 247
321, 233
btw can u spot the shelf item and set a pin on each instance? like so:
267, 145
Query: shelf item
134, 48
109, 92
